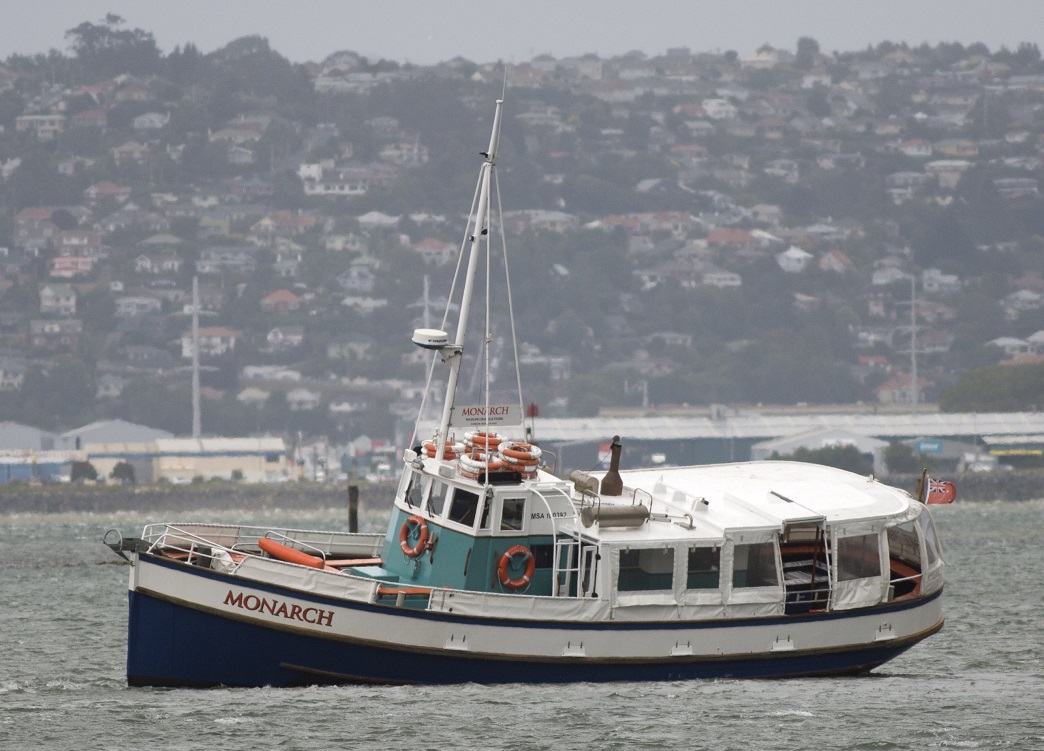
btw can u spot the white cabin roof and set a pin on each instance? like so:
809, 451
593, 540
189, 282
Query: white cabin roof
751, 496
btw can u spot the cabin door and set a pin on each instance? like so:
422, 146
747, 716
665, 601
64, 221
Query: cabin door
588, 570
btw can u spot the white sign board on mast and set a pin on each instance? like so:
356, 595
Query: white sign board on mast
479, 415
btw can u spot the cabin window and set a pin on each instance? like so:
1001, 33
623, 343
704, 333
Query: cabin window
904, 547
513, 513
931, 542
646, 569
704, 568
858, 557
413, 491
464, 507
754, 565
437, 498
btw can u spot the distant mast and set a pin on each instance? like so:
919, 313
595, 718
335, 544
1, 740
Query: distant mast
197, 428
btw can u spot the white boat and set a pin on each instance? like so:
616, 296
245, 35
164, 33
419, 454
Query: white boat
493, 569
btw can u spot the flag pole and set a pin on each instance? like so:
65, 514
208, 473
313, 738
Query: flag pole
920, 485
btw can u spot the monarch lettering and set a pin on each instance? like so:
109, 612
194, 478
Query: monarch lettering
290, 612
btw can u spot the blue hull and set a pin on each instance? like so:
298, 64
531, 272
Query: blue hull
174, 645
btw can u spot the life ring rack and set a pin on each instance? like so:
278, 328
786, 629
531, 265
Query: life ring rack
505, 563
412, 551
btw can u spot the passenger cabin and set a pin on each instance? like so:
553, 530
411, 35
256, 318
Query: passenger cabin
775, 541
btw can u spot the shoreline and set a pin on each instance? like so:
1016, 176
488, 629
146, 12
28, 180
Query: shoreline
1022, 485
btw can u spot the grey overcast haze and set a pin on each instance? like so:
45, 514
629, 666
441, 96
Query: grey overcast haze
429, 32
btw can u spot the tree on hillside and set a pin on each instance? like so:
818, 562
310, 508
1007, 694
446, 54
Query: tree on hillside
944, 241
36, 182
1001, 388
58, 395
249, 67
807, 52
105, 49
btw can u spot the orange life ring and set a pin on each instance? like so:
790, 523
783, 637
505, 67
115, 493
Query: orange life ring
476, 461
524, 452
483, 440
507, 559
404, 536
452, 450
288, 554
527, 462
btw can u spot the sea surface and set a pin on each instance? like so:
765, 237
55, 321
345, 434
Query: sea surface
978, 684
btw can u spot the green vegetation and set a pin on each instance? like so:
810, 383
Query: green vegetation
843, 457
1002, 388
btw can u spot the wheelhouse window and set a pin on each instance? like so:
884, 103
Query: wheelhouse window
487, 507
645, 570
704, 568
858, 557
413, 490
463, 507
754, 565
437, 498
513, 513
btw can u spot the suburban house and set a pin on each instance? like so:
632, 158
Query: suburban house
283, 338
67, 267
57, 300
213, 341
280, 302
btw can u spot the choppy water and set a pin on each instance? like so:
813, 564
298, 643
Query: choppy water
977, 684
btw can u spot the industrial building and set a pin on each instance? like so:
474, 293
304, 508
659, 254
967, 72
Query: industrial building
181, 460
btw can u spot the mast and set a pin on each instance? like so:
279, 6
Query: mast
480, 230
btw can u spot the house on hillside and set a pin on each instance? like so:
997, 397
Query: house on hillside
68, 267
285, 338
280, 302
213, 341
303, 400
899, 390
55, 335
12, 374
793, 260
57, 300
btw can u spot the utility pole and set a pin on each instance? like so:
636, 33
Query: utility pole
197, 427
913, 345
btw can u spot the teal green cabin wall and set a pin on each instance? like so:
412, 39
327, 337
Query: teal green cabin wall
444, 565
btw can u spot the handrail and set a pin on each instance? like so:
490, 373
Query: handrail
556, 570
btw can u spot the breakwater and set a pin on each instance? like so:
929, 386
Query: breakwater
215, 496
